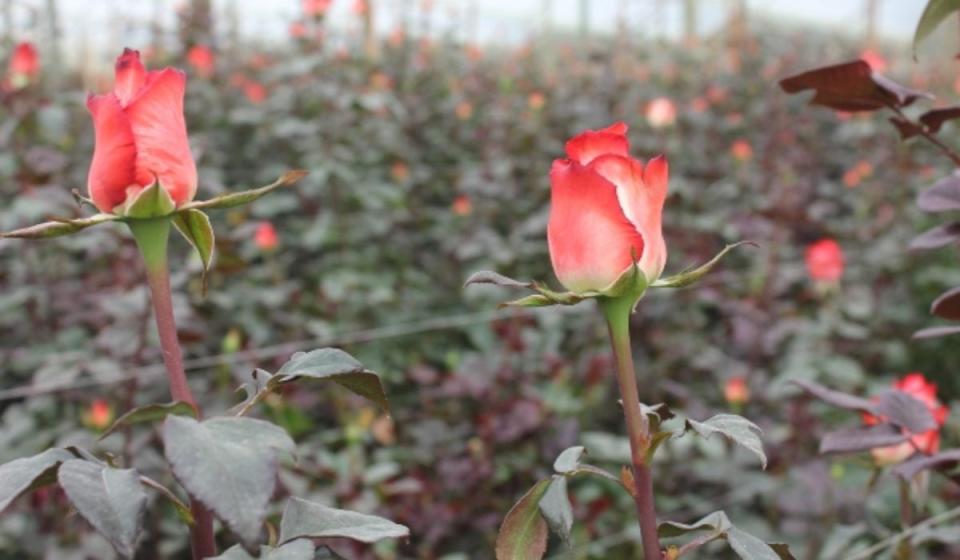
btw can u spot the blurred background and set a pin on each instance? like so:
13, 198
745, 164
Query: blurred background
428, 128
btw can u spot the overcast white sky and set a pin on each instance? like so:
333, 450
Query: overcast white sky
106, 25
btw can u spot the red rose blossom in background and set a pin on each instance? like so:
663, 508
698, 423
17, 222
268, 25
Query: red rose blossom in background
24, 64
98, 415
298, 30
462, 206
825, 261
141, 136
741, 150
201, 58
255, 91
876, 60
605, 210
266, 237
314, 8
928, 443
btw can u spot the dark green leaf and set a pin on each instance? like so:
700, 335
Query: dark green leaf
523, 533
150, 413
112, 500
229, 464
337, 366
569, 459
306, 519
245, 197
21, 475
556, 509
735, 428
749, 547
716, 522
935, 12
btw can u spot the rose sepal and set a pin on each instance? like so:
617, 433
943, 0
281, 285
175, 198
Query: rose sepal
692, 276
631, 284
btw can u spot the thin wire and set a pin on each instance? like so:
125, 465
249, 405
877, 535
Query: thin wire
152, 373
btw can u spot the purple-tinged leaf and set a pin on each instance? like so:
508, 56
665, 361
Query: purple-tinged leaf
938, 237
861, 438
943, 196
150, 413
303, 519
851, 86
935, 332
523, 534
947, 305
836, 398
906, 411
907, 129
935, 118
909, 468
27, 473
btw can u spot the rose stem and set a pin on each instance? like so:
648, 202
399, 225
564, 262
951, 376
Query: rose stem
617, 313
152, 236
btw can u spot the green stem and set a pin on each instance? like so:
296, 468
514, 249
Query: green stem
617, 313
905, 551
152, 236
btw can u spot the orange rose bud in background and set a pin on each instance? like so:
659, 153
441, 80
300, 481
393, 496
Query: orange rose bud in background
928, 443
266, 237
24, 64
462, 206
736, 392
202, 60
605, 210
99, 415
825, 261
141, 136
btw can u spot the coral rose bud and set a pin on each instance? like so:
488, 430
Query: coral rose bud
928, 443
201, 58
24, 64
825, 261
266, 237
98, 415
736, 392
605, 211
141, 136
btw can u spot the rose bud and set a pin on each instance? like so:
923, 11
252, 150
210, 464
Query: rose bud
825, 261
605, 212
24, 64
736, 392
98, 415
141, 137
928, 443
266, 237
661, 112
201, 59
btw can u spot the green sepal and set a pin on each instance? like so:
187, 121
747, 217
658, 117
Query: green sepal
233, 199
690, 277
195, 227
151, 202
58, 227
632, 283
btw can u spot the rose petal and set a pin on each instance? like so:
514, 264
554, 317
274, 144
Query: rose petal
160, 132
130, 76
587, 146
114, 157
591, 240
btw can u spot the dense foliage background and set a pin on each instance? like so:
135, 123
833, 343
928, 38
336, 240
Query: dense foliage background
430, 162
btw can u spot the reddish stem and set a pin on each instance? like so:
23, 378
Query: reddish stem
152, 236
